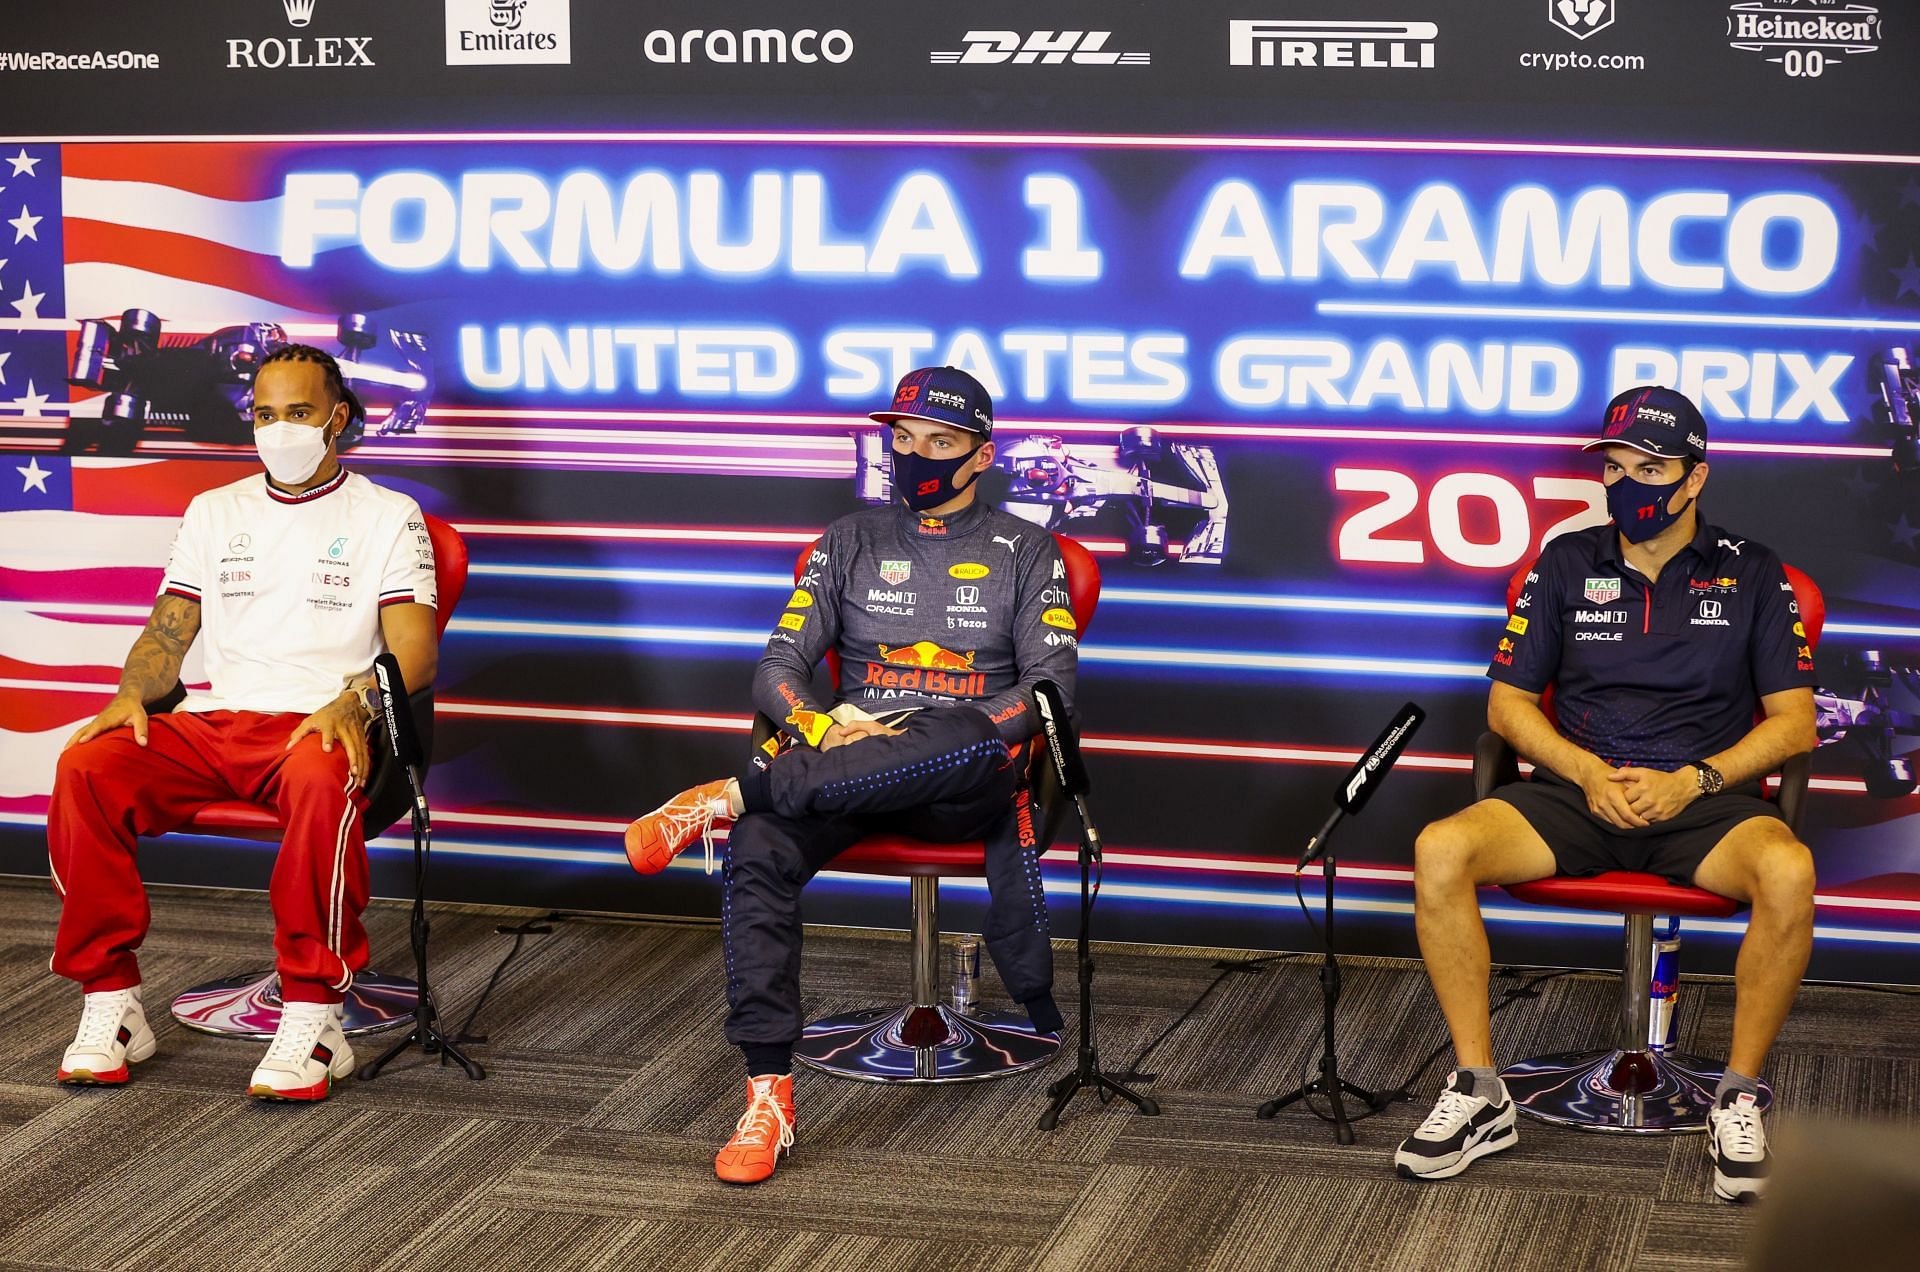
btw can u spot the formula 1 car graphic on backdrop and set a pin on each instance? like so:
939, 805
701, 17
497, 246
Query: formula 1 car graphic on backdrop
1165, 498
204, 387
1897, 385
1865, 728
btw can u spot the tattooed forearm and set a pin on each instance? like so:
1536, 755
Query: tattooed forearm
153, 664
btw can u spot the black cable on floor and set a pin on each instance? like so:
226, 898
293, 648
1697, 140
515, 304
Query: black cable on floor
541, 927
1226, 967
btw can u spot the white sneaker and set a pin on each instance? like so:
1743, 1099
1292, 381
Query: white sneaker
113, 1033
307, 1054
1465, 1126
1737, 1142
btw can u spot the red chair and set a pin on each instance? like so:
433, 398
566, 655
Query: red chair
248, 1005
926, 1041
1640, 1083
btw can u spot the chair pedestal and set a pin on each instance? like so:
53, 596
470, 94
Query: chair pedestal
248, 1005
1637, 1086
924, 1041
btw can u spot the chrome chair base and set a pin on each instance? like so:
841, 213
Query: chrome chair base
1635, 1092
924, 1045
248, 1005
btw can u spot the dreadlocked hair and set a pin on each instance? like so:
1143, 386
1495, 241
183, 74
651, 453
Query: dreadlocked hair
336, 383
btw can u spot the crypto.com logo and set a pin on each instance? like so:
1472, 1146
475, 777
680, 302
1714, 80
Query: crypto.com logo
1581, 18
1050, 48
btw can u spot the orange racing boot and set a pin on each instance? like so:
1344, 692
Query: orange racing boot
657, 838
763, 1135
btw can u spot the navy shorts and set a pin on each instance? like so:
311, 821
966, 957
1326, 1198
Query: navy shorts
1583, 844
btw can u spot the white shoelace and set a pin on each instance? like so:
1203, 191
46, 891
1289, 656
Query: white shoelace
100, 1022
1453, 1109
293, 1042
698, 820
763, 1099
1740, 1132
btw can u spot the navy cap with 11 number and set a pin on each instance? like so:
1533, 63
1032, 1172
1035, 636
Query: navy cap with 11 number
941, 395
1656, 420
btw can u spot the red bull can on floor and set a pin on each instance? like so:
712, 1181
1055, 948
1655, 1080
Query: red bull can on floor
964, 981
1665, 989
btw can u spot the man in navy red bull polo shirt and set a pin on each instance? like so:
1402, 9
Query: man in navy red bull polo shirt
1660, 635
944, 612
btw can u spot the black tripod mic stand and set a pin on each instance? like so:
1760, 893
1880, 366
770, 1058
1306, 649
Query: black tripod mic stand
405, 741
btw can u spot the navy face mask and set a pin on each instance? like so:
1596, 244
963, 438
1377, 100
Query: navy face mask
1640, 510
922, 483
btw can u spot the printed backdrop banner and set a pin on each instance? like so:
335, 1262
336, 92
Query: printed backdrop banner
1310, 400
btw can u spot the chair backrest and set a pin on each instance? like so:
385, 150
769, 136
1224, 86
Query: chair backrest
1083, 585
449, 568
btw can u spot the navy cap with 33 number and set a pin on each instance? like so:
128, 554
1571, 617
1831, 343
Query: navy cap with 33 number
1654, 419
941, 395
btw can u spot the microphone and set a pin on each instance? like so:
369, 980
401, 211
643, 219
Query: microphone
1062, 747
403, 738
1367, 775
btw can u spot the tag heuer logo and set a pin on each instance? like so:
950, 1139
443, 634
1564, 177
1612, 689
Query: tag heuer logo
896, 572
1602, 591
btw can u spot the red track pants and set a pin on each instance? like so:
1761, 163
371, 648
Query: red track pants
110, 791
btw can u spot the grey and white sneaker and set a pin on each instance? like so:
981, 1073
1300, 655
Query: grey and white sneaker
1738, 1144
1463, 1127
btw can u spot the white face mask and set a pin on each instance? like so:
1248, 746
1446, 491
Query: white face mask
292, 452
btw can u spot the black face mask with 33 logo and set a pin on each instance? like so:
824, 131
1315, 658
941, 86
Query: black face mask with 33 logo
923, 483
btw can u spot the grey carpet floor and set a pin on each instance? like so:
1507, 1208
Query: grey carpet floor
590, 1143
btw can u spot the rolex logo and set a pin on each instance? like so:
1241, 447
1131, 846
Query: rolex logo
299, 12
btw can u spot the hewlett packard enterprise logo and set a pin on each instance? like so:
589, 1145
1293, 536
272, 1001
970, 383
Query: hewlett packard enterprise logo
1341, 43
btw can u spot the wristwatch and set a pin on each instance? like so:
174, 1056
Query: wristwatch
369, 699
1711, 783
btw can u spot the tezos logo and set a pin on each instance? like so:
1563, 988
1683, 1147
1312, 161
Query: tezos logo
1581, 18
804, 45
1292, 42
1049, 48
272, 53
1803, 37
501, 32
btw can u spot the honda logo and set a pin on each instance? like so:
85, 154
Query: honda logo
1709, 609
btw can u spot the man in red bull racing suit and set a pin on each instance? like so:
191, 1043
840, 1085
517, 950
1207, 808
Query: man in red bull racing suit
944, 613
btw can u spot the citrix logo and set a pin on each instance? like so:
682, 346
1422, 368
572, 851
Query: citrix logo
1049, 48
